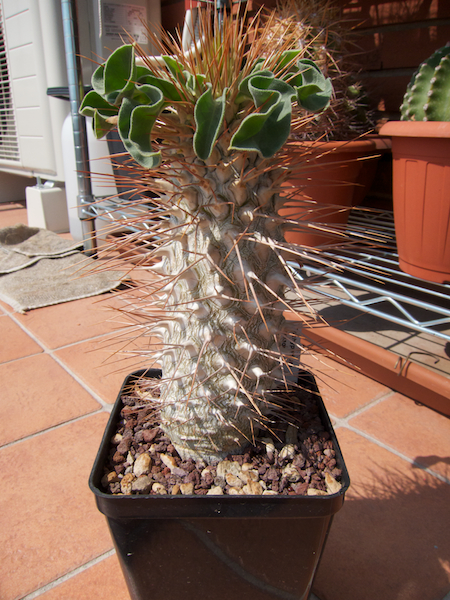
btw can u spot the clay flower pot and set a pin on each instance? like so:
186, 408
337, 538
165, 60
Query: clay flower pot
421, 193
337, 176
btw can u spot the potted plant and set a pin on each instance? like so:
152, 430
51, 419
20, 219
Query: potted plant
421, 171
189, 503
339, 143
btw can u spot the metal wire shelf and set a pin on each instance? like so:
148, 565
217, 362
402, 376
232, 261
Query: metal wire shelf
369, 279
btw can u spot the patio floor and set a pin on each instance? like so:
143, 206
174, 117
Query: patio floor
390, 541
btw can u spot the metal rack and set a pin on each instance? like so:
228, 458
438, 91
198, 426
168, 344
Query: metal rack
367, 277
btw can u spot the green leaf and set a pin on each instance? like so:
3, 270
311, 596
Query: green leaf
267, 130
195, 83
244, 92
142, 71
135, 126
139, 143
98, 80
175, 68
149, 95
93, 102
93, 105
208, 113
287, 59
167, 87
119, 75
101, 125
312, 88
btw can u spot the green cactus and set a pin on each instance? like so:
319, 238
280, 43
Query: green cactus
207, 130
428, 92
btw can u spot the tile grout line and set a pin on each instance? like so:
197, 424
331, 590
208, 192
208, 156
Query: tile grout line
88, 339
345, 425
51, 352
361, 409
344, 422
58, 426
53, 584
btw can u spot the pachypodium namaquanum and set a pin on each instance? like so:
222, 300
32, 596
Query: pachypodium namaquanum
208, 129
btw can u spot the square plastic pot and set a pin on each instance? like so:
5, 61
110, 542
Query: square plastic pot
221, 547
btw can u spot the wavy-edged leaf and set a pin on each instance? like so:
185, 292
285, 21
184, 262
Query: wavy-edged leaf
93, 102
244, 91
119, 75
208, 113
175, 68
267, 130
195, 83
101, 125
167, 87
312, 88
287, 59
135, 124
98, 80
94, 105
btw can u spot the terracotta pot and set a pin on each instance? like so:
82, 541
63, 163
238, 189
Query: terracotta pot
337, 176
421, 193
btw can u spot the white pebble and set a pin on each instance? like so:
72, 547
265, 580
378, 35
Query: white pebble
142, 464
215, 491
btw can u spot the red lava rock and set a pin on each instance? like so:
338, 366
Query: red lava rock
271, 474
118, 458
314, 454
208, 478
299, 461
301, 488
149, 435
124, 445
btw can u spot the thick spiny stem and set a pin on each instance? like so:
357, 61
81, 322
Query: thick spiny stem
224, 300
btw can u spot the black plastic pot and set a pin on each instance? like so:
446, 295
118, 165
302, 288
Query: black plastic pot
221, 547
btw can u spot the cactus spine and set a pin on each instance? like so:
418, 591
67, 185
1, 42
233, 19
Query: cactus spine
427, 96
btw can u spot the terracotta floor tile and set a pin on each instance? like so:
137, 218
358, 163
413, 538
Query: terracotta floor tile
13, 213
96, 364
72, 322
6, 308
416, 431
36, 394
49, 523
15, 342
103, 581
343, 389
390, 540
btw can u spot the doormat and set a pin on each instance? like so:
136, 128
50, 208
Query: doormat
38, 268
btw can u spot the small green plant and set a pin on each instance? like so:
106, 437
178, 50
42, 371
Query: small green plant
208, 131
427, 94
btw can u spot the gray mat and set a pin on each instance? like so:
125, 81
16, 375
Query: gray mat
38, 268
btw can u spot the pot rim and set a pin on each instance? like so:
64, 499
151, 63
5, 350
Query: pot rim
418, 129
372, 143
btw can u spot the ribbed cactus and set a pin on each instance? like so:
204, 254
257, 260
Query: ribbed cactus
427, 96
207, 129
